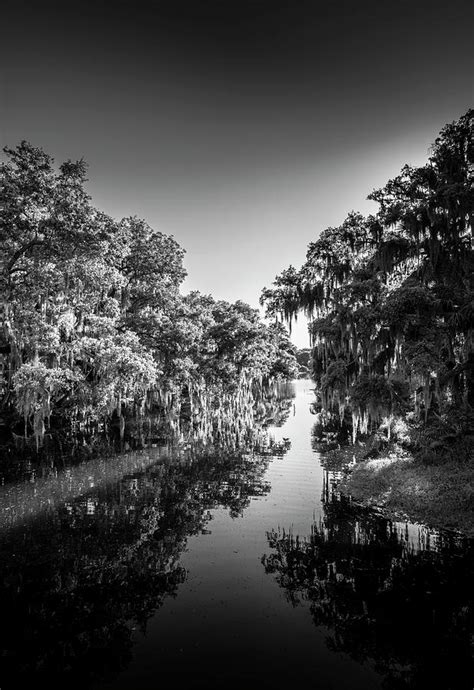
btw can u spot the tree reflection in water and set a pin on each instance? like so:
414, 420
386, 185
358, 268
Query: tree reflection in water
77, 578
397, 596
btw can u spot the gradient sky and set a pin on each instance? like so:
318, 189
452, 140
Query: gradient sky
243, 129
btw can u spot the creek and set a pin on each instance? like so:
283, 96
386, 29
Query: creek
177, 568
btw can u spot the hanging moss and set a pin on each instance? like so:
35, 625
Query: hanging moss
93, 327
390, 297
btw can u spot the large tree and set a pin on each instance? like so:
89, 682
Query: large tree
391, 297
92, 321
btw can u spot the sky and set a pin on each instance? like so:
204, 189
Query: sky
241, 128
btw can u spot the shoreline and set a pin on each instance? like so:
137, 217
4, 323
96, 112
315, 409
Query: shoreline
441, 496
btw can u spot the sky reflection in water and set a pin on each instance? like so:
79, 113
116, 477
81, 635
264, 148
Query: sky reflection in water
218, 571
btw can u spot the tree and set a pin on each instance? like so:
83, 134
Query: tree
390, 297
93, 324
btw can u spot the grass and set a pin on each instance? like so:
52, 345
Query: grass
438, 495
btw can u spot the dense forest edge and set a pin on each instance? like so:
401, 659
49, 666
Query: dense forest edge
94, 330
390, 303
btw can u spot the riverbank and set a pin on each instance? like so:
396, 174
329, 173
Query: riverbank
438, 495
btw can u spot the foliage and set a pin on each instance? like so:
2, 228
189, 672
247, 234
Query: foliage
390, 297
303, 357
92, 322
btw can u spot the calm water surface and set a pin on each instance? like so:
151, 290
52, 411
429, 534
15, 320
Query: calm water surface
158, 569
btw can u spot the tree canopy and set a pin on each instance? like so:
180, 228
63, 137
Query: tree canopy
93, 323
390, 297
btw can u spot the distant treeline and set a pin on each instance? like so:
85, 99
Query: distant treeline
390, 299
92, 322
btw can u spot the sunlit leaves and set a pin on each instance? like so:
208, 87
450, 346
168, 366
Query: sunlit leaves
92, 322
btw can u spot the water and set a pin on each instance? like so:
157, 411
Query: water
183, 570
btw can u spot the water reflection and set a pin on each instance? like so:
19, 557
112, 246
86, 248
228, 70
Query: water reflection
34, 480
77, 579
91, 550
90, 540
395, 595
22, 461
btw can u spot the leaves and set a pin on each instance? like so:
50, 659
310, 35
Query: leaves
93, 323
391, 295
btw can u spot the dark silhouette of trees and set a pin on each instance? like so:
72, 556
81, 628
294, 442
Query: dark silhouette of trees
403, 604
77, 577
390, 299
